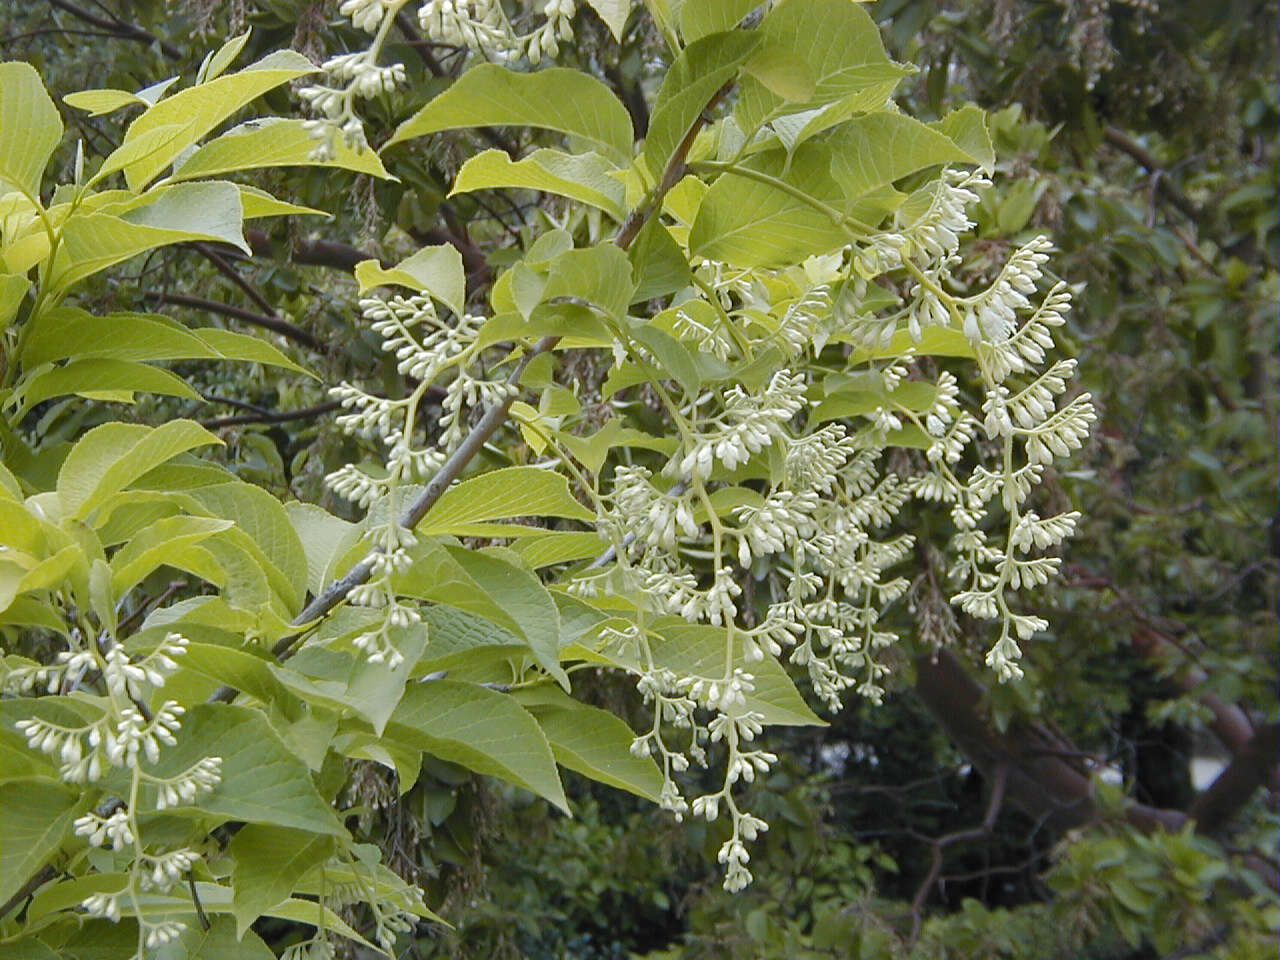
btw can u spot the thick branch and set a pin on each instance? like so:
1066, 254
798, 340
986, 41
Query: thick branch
1253, 766
1122, 141
119, 28
274, 324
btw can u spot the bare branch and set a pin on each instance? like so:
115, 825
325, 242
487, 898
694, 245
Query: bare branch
274, 324
119, 28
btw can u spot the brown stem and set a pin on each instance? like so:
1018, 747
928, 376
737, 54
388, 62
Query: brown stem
269, 416
119, 28
1253, 766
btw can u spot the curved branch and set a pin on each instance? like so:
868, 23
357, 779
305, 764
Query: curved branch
119, 28
274, 324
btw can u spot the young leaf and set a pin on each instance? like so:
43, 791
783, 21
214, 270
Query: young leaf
30, 128
110, 457
504, 494
561, 99
273, 142
206, 106
583, 177
435, 270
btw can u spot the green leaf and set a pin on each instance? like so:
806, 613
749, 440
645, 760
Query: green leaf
110, 457
262, 780
751, 224
504, 494
875, 150
185, 212
591, 741
206, 106
164, 542
216, 63
600, 275
614, 13
701, 17
916, 396
460, 638
324, 538
657, 263
144, 146
702, 68
30, 128
12, 289
263, 518
435, 270
673, 357
560, 546
101, 102
35, 818
273, 142
65, 332
525, 600
569, 101
838, 43
347, 681
967, 127
592, 451
583, 177
107, 380
269, 862
480, 729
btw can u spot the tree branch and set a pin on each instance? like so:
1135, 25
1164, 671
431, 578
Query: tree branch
275, 324
1125, 143
1253, 766
119, 28
269, 416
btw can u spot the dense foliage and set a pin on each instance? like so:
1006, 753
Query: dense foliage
656, 379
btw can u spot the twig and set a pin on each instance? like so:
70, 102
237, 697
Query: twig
274, 324
119, 28
1118, 138
232, 274
974, 833
268, 416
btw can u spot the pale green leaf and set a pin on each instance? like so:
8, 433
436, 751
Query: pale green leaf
967, 127
207, 105
525, 600
30, 128
323, 536
460, 638
35, 818
151, 142
262, 780
582, 177
613, 13
701, 17
751, 223
435, 270
65, 332
264, 519
347, 681
877, 149
560, 546
12, 289
101, 102
701, 69
599, 275
185, 212
258, 204
107, 380
216, 63
839, 44
110, 457
504, 494
164, 542
480, 729
569, 101
229, 345
273, 142
591, 741
269, 862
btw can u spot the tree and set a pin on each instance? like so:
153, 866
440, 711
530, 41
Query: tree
738, 383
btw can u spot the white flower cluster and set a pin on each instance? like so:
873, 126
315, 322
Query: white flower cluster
761, 491
426, 347
483, 27
128, 736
